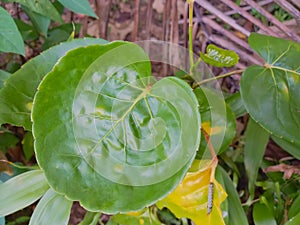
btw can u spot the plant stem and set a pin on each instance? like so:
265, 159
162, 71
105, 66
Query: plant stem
218, 77
191, 8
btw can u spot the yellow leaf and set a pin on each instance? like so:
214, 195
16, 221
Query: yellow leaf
190, 198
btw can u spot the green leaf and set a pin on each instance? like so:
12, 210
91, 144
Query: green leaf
3, 77
219, 57
21, 191
7, 140
90, 218
295, 207
262, 215
217, 119
59, 34
118, 140
290, 147
27, 144
53, 208
139, 218
256, 140
16, 97
41, 23
233, 211
27, 31
82, 6
43, 7
271, 93
10, 38
236, 104
294, 221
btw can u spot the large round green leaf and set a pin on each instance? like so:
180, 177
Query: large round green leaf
271, 93
107, 134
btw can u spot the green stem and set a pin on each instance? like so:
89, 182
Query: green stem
218, 77
191, 8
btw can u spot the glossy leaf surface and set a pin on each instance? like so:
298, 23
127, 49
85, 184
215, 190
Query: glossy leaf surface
10, 38
271, 93
118, 141
53, 208
16, 97
82, 6
189, 199
219, 57
43, 7
217, 119
21, 191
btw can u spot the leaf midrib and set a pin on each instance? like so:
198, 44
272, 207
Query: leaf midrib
140, 97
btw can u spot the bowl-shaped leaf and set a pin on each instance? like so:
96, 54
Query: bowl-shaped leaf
110, 136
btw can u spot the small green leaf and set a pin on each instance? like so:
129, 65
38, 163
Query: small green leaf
3, 77
90, 218
53, 208
219, 57
27, 31
233, 211
7, 140
10, 38
16, 97
271, 92
41, 23
21, 191
43, 7
262, 215
256, 142
114, 132
60, 34
27, 144
82, 6
236, 104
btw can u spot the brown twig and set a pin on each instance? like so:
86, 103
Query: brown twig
102, 11
288, 170
166, 20
222, 16
249, 17
290, 9
214, 157
174, 34
227, 33
136, 20
149, 19
185, 25
273, 20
